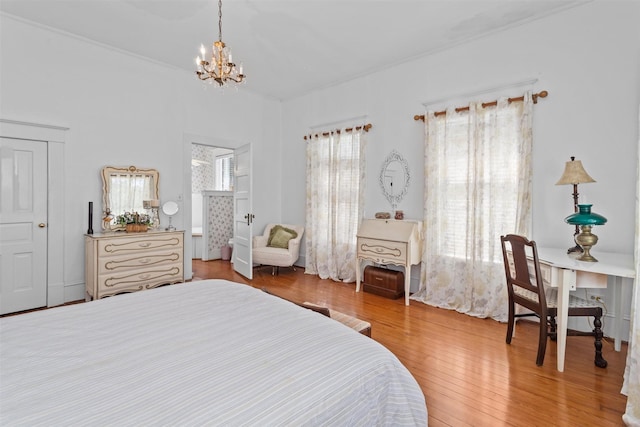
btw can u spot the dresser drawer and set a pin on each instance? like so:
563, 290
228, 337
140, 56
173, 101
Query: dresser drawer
138, 280
382, 251
136, 261
138, 244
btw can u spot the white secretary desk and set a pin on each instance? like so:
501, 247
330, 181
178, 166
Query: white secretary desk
389, 241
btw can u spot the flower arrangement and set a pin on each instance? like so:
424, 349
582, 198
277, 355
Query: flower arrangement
133, 218
133, 221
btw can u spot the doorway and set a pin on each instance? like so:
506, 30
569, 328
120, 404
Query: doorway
242, 193
52, 260
211, 202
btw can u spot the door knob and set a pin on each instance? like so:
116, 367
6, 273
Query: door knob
42, 225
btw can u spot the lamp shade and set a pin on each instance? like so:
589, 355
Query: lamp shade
584, 216
574, 173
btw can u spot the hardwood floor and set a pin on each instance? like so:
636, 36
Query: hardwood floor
468, 374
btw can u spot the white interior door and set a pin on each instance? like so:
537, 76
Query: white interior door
242, 212
23, 222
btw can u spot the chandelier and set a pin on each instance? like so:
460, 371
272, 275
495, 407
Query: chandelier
220, 68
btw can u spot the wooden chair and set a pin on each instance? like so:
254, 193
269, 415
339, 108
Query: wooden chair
526, 288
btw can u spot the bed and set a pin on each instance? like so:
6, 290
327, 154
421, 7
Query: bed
209, 352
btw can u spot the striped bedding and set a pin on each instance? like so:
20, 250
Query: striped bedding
208, 352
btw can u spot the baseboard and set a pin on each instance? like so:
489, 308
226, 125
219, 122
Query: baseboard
55, 294
74, 292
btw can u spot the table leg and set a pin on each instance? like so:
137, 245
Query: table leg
358, 265
617, 306
407, 283
563, 311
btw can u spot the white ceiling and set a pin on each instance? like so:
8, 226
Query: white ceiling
288, 47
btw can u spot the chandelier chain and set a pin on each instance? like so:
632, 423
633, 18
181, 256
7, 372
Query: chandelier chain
220, 20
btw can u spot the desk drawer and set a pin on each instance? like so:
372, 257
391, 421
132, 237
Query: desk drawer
382, 251
554, 276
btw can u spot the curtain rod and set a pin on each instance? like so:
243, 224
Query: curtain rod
339, 123
365, 128
535, 96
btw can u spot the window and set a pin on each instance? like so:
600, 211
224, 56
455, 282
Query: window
224, 172
335, 173
481, 195
477, 188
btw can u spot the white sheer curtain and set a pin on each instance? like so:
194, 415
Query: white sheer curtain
477, 187
128, 191
335, 189
631, 386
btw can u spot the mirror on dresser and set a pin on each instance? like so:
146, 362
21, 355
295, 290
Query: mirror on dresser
125, 189
395, 178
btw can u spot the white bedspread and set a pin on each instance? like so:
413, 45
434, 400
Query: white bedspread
203, 353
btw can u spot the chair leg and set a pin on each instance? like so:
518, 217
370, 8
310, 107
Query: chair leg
510, 322
542, 342
553, 328
597, 331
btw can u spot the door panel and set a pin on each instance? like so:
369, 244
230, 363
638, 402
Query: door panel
242, 213
23, 222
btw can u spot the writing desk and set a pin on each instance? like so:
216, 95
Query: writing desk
561, 270
389, 241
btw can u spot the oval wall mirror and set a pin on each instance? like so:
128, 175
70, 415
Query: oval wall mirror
170, 208
395, 178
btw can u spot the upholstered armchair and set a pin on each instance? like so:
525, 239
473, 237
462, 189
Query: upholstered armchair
278, 246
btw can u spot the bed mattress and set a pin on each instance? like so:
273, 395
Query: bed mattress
209, 352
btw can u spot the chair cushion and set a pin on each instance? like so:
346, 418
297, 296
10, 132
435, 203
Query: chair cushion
279, 237
551, 295
272, 256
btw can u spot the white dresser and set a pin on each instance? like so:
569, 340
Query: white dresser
129, 262
389, 241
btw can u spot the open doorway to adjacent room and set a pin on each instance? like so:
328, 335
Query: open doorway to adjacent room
211, 201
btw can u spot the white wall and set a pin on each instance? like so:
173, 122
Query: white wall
587, 57
124, 110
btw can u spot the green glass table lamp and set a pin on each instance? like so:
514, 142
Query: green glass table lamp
586, 220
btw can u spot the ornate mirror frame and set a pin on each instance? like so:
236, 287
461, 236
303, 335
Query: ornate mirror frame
395, 194
109, 171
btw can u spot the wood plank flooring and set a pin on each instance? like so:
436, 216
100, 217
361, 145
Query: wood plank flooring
469, 375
